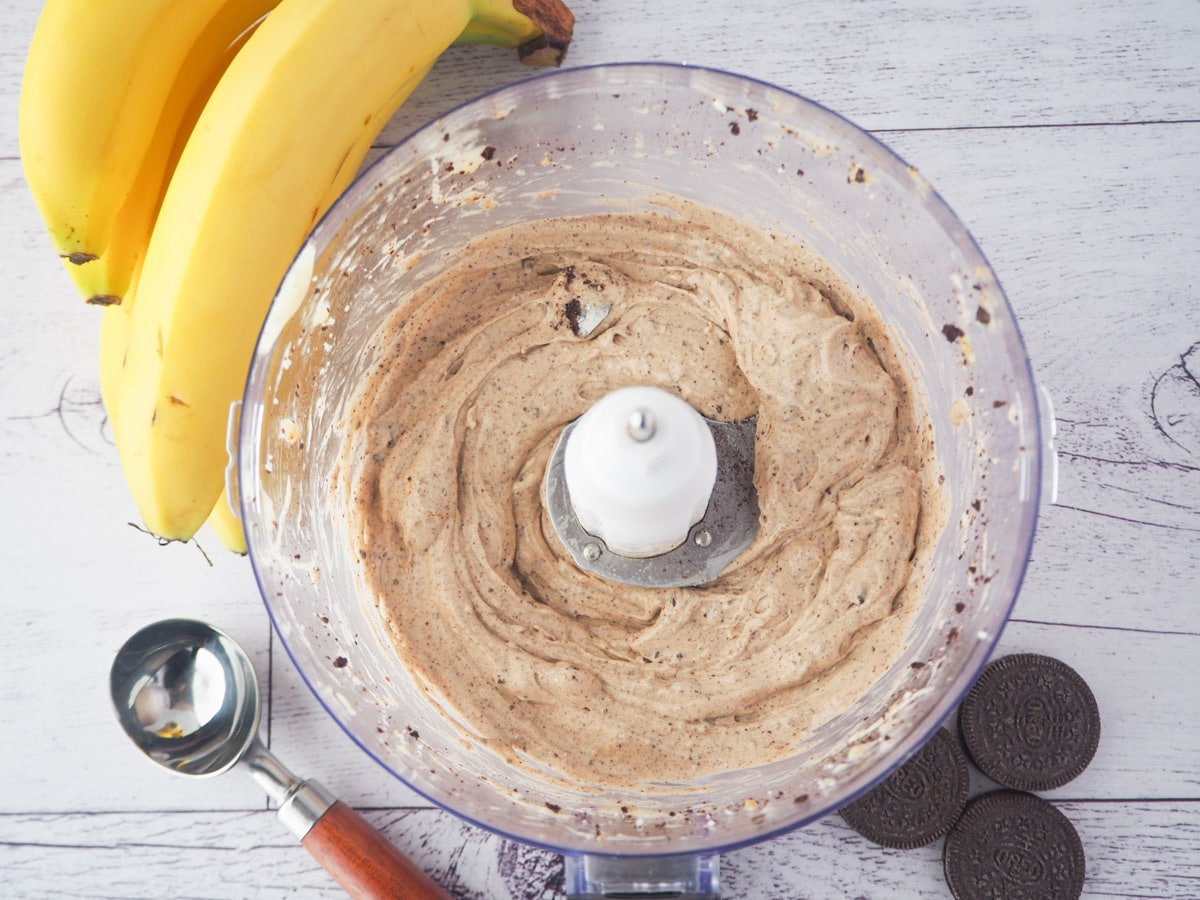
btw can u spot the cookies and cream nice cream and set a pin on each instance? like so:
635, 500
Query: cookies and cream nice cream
602, 682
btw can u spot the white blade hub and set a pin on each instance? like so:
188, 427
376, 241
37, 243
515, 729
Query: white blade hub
640, 467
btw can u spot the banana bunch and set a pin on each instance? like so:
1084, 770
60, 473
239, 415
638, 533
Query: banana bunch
180, 151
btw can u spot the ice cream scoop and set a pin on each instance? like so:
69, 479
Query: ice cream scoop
187, 696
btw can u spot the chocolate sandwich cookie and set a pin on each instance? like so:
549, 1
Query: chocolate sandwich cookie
1013, 844
1030, 722
917, 803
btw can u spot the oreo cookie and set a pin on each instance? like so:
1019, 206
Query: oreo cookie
919, 802
1013, 844
1030, 722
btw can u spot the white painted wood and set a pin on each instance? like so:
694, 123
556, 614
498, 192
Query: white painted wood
1095, 234
934, 64
938, 64
1133, 850
1066, 135
1136, 849
76, 579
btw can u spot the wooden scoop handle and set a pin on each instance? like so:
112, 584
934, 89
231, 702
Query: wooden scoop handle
363, 861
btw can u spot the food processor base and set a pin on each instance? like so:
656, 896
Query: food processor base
687, 877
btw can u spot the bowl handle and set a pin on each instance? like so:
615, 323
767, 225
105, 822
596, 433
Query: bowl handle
695, 876
232, 426
1049, 429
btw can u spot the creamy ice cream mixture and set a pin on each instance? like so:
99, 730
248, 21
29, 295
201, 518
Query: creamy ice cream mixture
601, 682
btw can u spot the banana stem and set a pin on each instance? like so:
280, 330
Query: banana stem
557, 24
541, 30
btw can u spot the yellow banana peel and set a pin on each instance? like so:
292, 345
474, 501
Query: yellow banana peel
107, 90
227, 524
283, 133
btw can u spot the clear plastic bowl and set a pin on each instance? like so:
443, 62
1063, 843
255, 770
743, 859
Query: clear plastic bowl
593, 140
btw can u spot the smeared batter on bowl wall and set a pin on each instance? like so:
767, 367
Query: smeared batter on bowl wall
605, 683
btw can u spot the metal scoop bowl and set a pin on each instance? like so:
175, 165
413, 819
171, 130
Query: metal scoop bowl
187, 696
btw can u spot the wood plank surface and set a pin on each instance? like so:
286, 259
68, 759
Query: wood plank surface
1145, 850
931, 64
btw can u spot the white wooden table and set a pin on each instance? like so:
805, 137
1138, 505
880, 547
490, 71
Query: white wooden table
1065, 133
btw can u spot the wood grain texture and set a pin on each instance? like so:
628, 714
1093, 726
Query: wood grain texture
934, 64
1145, 850
1065, 134
1090, 230
363, 861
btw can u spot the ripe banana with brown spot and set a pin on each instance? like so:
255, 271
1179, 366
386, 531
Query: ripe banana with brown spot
110, 91
283, 133
110, 94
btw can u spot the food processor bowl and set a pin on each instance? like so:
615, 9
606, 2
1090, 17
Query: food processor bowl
598, 140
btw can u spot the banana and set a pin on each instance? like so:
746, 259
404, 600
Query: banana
114, 330
283, 133
114, 333
227, 525
114, 348
107, 90
114, 342
108, 99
